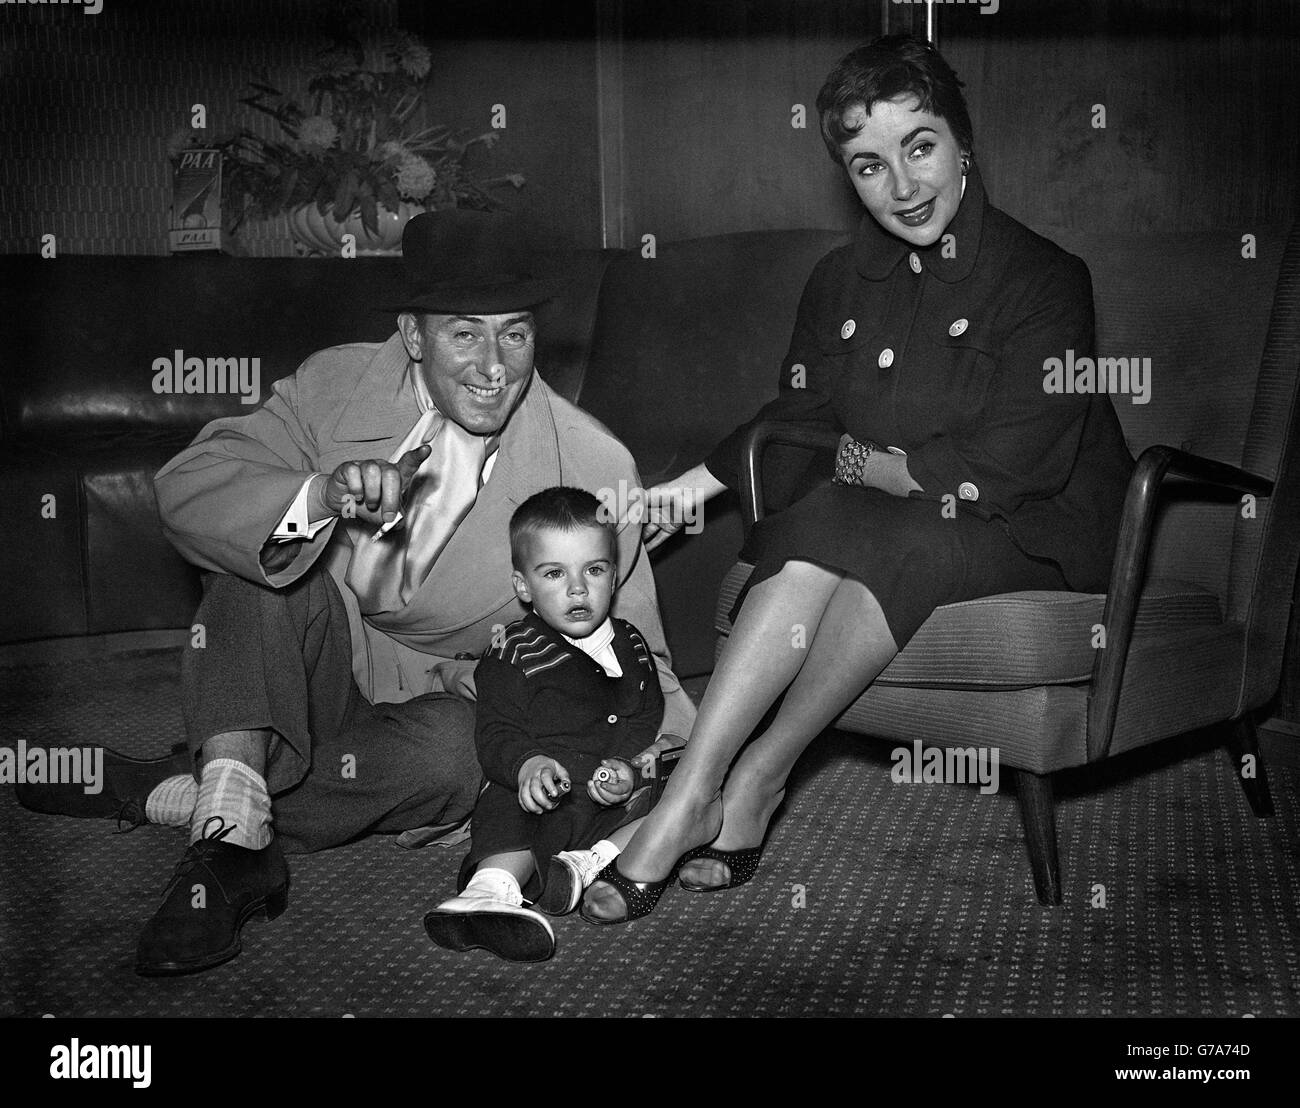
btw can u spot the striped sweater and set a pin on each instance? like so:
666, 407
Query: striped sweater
538, 694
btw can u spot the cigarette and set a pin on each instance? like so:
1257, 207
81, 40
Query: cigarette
386, 528
604, 776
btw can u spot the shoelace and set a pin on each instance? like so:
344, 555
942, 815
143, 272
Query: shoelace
130, 812
194, 854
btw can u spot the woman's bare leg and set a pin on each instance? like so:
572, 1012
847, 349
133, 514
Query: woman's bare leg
768, 647
852, 645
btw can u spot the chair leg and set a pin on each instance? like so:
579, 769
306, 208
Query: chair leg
1243, 748
1038, 814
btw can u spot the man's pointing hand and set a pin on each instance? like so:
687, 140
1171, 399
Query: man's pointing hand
375, 488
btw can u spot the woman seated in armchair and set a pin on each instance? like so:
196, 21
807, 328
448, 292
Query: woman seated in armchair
962, 472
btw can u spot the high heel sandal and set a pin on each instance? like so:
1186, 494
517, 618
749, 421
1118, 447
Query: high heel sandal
741, 866
639, 897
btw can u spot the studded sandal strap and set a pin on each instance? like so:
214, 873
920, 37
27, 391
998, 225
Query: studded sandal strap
742, 864
640, 897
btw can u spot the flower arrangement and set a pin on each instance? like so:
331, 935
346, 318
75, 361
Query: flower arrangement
362, 143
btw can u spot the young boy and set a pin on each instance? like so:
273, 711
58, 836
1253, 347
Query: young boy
569, 705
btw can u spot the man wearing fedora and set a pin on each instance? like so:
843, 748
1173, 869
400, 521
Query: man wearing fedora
354, 529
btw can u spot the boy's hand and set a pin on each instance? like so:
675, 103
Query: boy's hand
621, 781
542, 782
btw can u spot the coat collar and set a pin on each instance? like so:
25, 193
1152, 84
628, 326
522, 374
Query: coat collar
383, 405
529, 454
876, 252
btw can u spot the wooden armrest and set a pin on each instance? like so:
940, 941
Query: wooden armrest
760, 436
1128, 572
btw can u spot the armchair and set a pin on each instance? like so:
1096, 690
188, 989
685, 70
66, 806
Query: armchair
1059, 680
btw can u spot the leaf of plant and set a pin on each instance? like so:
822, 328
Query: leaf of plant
345, 196
287, 183
369, 214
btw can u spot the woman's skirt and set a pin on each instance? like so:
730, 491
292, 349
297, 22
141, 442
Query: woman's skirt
909, 554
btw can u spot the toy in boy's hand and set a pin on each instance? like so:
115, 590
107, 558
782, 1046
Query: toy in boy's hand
612, 783
542, 784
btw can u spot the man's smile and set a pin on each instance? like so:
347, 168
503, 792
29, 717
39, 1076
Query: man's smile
485, 393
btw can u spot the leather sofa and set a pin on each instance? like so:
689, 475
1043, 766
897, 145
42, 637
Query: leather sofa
670, 352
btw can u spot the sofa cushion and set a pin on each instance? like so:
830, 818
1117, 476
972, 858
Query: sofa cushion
1018, 640
96, 560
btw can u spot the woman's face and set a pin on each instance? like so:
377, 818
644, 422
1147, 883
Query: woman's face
906, 168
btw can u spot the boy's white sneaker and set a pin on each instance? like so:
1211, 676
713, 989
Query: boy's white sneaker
567, 875
478, 920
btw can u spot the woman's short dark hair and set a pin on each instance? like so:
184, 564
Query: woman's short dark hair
889, 67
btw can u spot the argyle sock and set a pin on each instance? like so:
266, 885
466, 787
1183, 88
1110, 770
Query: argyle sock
171, 802
235, 792
495, 884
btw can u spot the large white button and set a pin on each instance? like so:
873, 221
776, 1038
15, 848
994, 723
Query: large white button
959, 327
614, 719
914, 262
967, 491
886, 358
846, 332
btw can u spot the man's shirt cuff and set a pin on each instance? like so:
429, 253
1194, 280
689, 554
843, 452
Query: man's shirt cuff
294, 526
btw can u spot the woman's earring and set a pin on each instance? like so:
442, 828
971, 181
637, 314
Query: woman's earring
965, 164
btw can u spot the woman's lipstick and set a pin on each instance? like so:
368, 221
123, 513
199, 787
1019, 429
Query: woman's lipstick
916, 217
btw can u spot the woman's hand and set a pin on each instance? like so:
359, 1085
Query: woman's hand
645, 761
888, 472
670, 507
542, 781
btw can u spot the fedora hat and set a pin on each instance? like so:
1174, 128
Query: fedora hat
459, 260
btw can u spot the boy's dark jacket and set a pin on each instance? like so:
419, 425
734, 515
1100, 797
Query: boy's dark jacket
537, 694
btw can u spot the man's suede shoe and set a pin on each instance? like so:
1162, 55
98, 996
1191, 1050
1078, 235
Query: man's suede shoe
197, 928
127, 783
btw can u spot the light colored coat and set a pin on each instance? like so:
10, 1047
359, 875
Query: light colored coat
223, 496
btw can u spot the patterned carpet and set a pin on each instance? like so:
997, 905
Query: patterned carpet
874, 899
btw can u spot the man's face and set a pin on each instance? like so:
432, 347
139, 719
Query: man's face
568, 578
906, 168
475, 367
